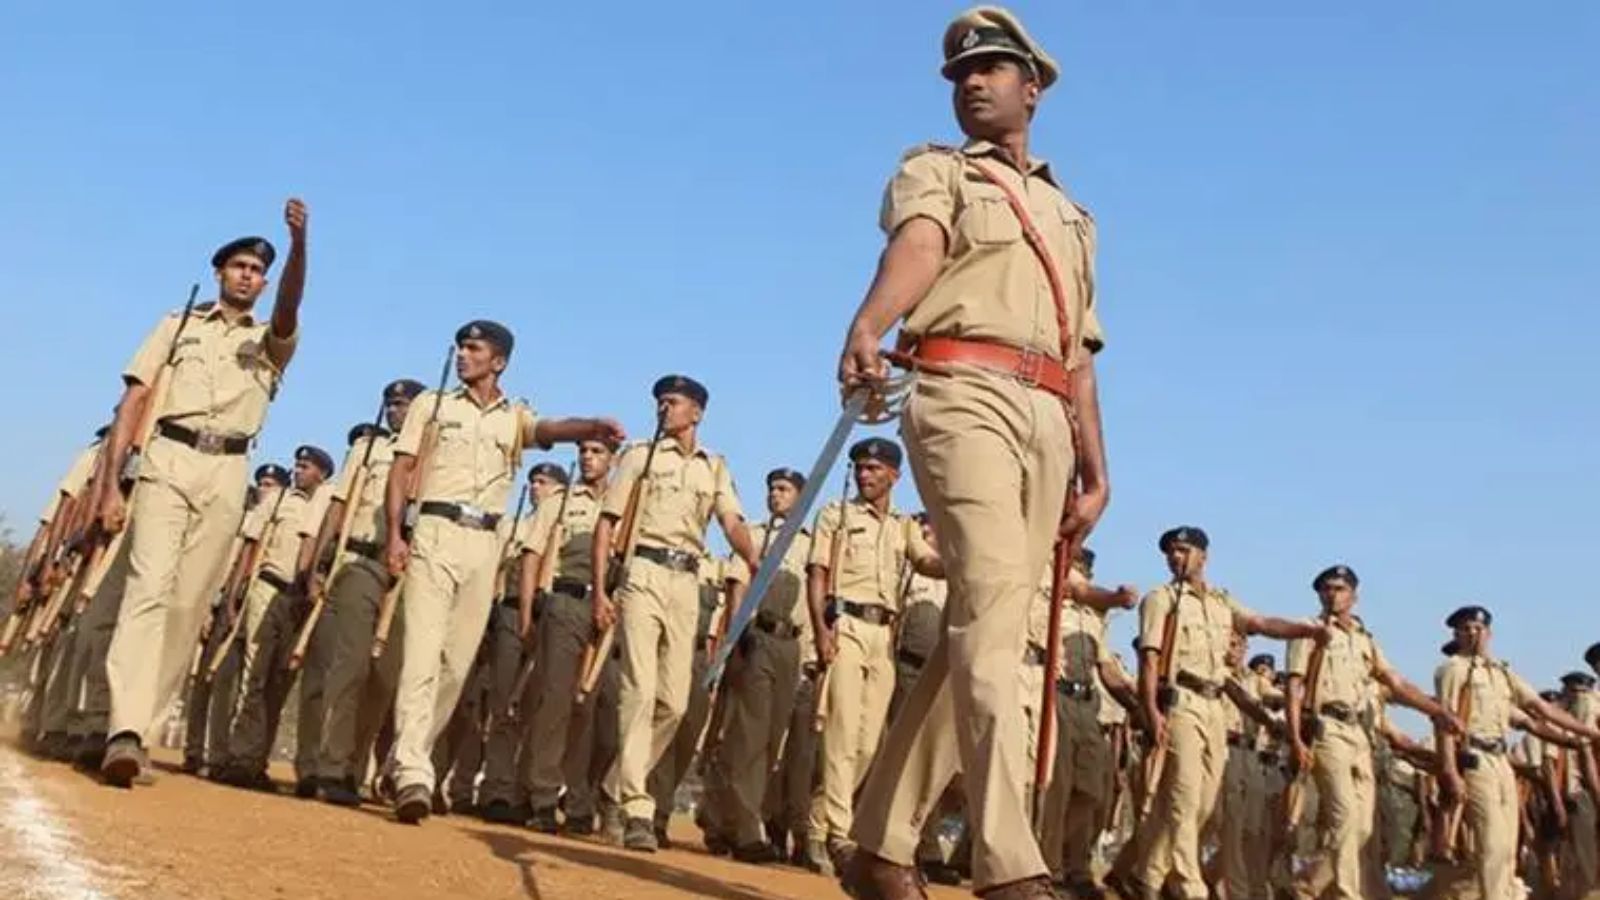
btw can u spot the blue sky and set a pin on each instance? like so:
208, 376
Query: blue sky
1347, 251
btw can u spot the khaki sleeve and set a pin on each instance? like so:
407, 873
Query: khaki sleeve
1093, 335
726, 500
537, 530
1447, 681
1522, 693
315, 511
410, 440
345, 482
1239, 610
920, 188
629, 468
50, 507
81, 472
822, 535
917, 547
528, 417
1299, 657
280, 349
1380, 663
1153, 611
152, 354
255, 522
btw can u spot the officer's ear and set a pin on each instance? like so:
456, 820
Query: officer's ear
499, 362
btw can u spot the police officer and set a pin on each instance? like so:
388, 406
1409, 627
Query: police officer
451, 559
1575, 768
1474, 771
359, 691
558, 624
853, 590
1001, 328
226, 368
657, 603
272, 607
921, 623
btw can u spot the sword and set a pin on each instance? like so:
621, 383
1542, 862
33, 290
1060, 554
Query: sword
854, 406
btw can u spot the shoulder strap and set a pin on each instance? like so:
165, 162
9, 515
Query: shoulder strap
1068, 335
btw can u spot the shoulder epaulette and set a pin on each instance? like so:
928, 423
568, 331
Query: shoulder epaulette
921, 149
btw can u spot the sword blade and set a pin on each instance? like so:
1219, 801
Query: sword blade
773, 560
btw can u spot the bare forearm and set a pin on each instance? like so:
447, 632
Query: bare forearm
1555, 714
929, 566
1246, 703
1147, 684
1098, 598
906, 270
1281, 629
1090, 455
394, 496
738, 535
129, 412
1410, 695
1294, 707
600, 551
816, 596
291, 288
549, 432
328, 531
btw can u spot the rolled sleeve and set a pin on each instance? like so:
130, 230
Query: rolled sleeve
537, 534
920, 189
726, 501
410, 441
827, 526
152, 354
1153, 612
629, 469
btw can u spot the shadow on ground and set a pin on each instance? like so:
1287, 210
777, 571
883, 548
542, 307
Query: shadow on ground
522, 851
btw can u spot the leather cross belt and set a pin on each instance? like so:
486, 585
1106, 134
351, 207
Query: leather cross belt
1032, 368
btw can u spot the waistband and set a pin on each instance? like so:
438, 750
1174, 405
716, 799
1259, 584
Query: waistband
276, 580
871, 613
911, 658
676, 560
464, 514
1030, 367
1198, 685
571, 587
777, 628
210, 443
1341, 711
1073, 689
372, 550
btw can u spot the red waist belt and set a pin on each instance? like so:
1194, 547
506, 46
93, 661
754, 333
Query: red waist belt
1030, 367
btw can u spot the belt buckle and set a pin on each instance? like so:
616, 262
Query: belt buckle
1030, 364
468, 514
209, 442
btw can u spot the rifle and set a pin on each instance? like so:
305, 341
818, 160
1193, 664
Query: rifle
819, 715
544, 579
102, 552
623, 547
1451, 814
1156, 760
1045, 751
1294, 794
28, 584
319, 599
430, 438
257, 561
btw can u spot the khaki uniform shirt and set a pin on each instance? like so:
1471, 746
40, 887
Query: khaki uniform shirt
713, 594
992, 286
280, 525
73, 483
1350, 664
923, 615
1112, 712
683, 493
1585, 709
1496, 692
478, 449
574, 557
222, 378
1204, 628
367, 518
785, 600
873, 550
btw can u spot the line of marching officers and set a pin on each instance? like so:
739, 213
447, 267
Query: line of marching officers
453, 658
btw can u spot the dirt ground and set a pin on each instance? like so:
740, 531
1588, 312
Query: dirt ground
185, 837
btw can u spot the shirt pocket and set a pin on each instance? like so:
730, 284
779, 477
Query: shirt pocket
986, 216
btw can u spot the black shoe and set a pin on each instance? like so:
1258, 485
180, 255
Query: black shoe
92, 752
640, 834
1083, 890
340, 792
778, 837
659, 826
543, 820
502, 812
53, 746
760, 853
938, 872
252, 780
306, 788
123, 761
192, 765
412, 804
717, 845
581, 826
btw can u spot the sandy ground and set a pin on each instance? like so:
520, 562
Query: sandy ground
63, 835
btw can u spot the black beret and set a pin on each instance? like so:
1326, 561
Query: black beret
1469, 614
357, 432
316, 456
259, 247
1450, 648
1341, 571
1592, 656
492, 333
549, 470
101, 432
1086, 558
403, 389
1263, 659
1577, 680
683, 386
789, 475
1184, 534
274, 471
881, 449
1550, 696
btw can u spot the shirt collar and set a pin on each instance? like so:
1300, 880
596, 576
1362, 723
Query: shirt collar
462, 393
1036, 166
213, 310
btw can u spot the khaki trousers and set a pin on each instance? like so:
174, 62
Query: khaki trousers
660, 607
673, 766
1489, 832
594, 742
565, 626
449, 586
762, 676
992, 460
1346, 814
1076, 800
358, 690
504, 742
1191, 782
55, 710
1579, 875
458, 754
186, 510
269, 630
860, 683
789, 786
1233, 821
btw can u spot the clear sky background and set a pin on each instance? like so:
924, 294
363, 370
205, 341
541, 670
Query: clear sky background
1347, 256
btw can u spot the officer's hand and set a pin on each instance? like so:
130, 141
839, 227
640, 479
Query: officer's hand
860, 363
1159, 733
113, 512
1080, 518
294, 215
605, 612
316, 583
827, 646
395, 556
1451, 787
608, 431
1127, 596
1301, 757
1452, 723
525, 630
1322, 633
